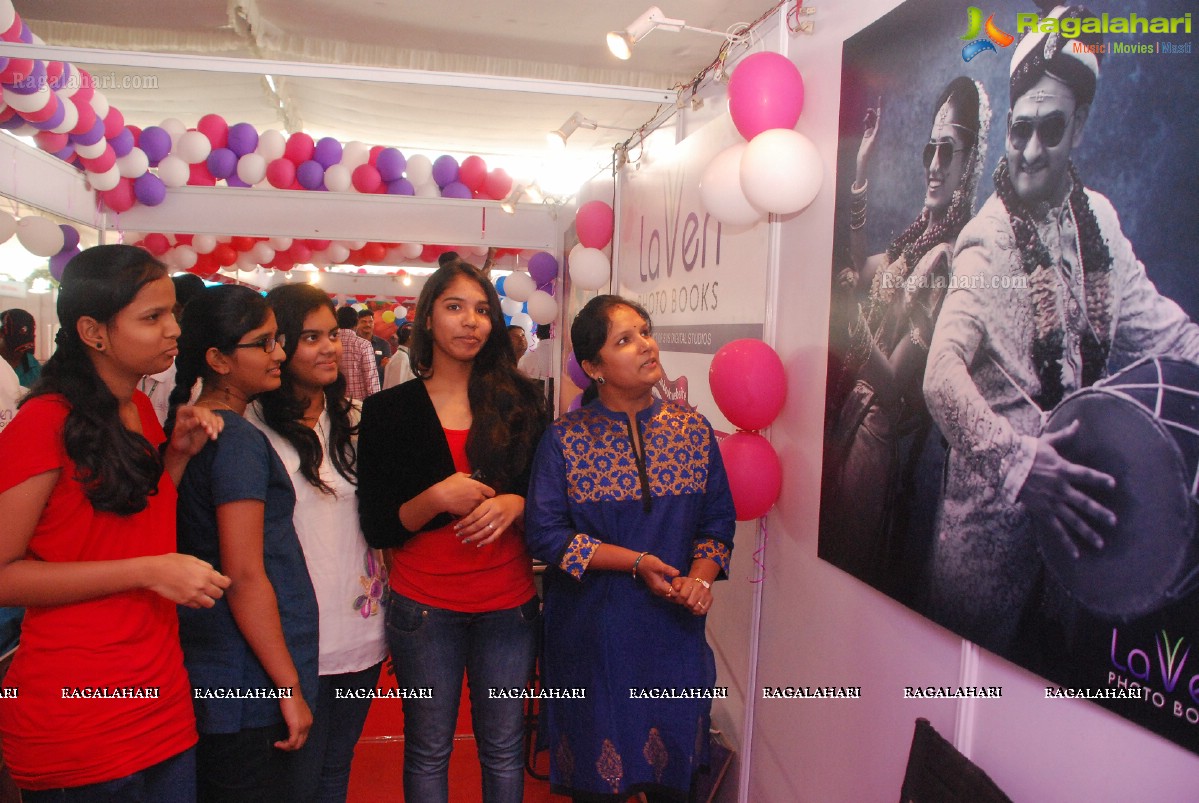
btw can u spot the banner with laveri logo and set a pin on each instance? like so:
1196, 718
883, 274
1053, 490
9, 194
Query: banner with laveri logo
1012, 419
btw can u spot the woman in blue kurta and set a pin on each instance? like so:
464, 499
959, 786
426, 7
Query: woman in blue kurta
629, 505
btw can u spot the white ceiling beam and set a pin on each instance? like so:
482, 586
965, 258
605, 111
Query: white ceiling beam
346, 72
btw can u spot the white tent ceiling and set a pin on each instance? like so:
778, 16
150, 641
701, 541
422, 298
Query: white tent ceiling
532, 41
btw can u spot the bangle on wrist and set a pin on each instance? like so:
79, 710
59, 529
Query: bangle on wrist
637, 563
703, 582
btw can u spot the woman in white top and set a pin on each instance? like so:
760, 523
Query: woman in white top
313, 427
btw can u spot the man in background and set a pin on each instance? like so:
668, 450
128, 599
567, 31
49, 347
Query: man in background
357, 356
366, 331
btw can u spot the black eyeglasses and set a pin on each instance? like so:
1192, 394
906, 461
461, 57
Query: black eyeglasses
267, 344
941, 151
1049, 129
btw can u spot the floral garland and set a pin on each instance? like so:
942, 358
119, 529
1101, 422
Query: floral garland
1049, 341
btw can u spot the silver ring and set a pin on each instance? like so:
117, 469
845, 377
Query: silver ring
491, 525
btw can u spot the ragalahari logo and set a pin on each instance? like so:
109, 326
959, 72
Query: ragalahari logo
974, 46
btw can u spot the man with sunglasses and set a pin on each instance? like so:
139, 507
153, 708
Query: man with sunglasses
1048, 297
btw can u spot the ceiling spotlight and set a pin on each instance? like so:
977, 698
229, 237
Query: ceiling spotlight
573, 123
530, 192
621, 42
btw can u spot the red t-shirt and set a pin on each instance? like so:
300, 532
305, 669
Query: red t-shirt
435, 568
52, 736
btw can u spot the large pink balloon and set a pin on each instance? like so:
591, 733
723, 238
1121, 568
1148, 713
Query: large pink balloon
594, 223
766, 91
748, 383
755, 473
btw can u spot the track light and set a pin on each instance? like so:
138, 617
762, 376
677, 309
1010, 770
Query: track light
557, 138
621, 42
530, 192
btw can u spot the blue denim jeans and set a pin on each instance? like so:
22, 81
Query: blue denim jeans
431, 648
173, 779
320, 770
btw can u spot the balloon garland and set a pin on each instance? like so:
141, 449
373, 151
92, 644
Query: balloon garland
57, 104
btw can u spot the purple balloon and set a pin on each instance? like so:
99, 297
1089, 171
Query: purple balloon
122, 143
13, 123
576, 372
456, 189
26, 35
55, 119
543, 268
326, 153
156, 142
96, 133
390, 163
66, 154
70, 237
234, 181
575, 403
445, 170
311, 174
58, 263
32, 82
242, 139
149, 189
222, 162
400, 186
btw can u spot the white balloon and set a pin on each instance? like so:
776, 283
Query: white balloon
40, 236
781, 171
419, 169
185, 256
174, 127
99, 104
33, 102
720, 189
262, 253
478, 250
70, 117
133, 164
355, 153
251, 168
173, 171
203, 243
337, 253
107, 180
429, 190
271, 145
338, 178
519, 286
8, 15
510, 306
193, 147
589, 268
354, 245
246, 262
8, 226
281, 243
411, 250
523, 320
91, 151
543, 308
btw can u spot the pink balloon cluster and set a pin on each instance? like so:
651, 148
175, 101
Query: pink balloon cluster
58, 105
749, 386
779, 170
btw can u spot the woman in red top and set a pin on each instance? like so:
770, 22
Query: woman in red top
443, 466
97, 702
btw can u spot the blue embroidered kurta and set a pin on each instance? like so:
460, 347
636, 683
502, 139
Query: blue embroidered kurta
604, 631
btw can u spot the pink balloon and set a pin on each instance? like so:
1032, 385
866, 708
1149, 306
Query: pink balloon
498, 184
755, 473
766, 91
473, 172
594, 223
366, 178
748, 383
281, 172
215, 128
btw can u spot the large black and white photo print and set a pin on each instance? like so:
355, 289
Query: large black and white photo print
1012, 418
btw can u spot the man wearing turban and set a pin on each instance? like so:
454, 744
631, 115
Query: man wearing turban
1048, 297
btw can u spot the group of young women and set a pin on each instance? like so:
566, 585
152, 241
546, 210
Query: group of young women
208, 606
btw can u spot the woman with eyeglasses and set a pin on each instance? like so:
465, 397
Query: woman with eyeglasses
313, 426
882, 425
252, 657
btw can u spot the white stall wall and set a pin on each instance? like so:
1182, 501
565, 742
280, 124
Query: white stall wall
822, 627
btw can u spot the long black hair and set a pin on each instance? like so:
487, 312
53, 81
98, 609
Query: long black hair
283, 408
118, 469
216, 318
507, 408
